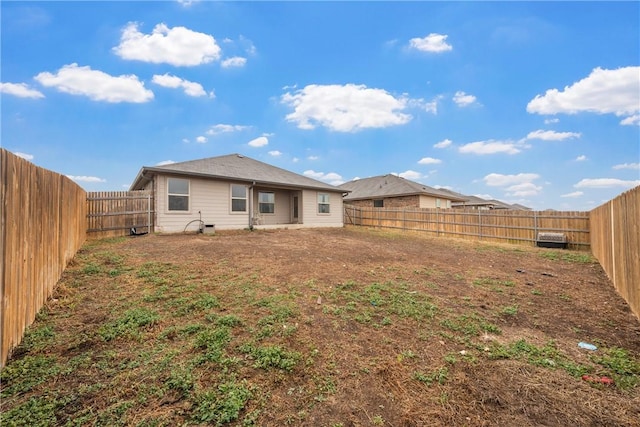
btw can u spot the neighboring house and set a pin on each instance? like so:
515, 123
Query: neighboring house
474, 202
236, 192
392, 191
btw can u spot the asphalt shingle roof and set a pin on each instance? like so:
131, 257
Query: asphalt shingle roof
236, 167
390, 186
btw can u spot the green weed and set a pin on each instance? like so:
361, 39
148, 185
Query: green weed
576, 257
38, 338
213, 342
23, 374
510, 310
221, 405
439, 376
269, 357
129, 325
624, 369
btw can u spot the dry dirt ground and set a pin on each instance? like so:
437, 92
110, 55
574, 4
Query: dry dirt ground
327, 327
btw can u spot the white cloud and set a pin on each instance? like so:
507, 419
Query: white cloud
96, 85
631, 120
165, 162
331, 177
551, 121
223, 128
177, 46
187, 3
411, 175
443, 144
523, 189
345, 108
83, 178
635, 166
260, 141
234, 62
275, 153
429, 161
462, 99
24, 155
605, 183
492, 147
550, 135
313, 158
574, 194
432, 106
581, 158
435, 43
500, 180
201, 139
21, 90
174, 82
602, 92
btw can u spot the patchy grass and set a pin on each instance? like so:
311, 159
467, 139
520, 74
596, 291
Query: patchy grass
332, 328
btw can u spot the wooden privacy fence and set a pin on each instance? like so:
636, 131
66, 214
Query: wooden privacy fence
615, 242
44, 223
116, 213
492, 225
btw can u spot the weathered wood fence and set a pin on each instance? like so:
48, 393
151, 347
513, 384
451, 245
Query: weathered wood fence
44, 223
615, 242
506, 226
116, 213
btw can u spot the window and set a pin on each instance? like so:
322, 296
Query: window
437, 203
266, 203
178, 192
323, 203
378, 203
238, 198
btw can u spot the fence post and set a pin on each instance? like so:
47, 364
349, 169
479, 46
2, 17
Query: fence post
479, 224
149, 213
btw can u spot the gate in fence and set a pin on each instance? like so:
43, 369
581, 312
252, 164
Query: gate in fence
119, 213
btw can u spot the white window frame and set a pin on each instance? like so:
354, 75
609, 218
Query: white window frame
322, 202
188, 196
260, 203
232, 198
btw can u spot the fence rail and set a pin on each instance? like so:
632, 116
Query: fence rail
615, 242
501, 226
116, 213
43, 225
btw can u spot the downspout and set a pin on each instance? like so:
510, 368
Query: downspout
251, 205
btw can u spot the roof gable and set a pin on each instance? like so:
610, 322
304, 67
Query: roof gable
390, 186
235, 167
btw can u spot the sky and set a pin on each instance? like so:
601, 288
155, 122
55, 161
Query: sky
536, 103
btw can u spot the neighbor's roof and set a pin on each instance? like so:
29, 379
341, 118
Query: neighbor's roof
492, 204
390, 186
234, 167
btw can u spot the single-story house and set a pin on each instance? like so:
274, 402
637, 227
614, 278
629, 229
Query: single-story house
474, 202
236, 192
392, 191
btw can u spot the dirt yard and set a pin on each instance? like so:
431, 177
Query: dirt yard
336, 327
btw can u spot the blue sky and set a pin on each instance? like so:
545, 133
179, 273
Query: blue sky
535, 103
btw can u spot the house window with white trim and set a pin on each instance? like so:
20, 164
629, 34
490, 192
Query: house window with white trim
178, 194
238, 198
378, 203
266, 202
323, 203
